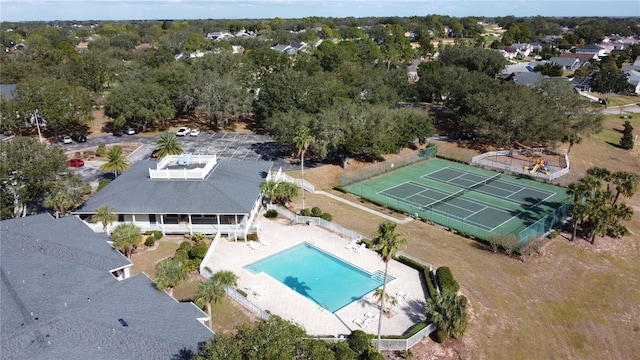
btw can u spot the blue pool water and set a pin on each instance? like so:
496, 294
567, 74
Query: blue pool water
322, 278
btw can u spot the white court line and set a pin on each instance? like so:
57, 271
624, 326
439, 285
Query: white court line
506, 221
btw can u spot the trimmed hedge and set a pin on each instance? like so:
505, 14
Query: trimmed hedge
424, 271
150, 241
316, 211
198, 251
185, 245
446, 281
181, 255
305, 212
326, 216
271, 214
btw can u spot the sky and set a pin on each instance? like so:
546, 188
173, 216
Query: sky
46, 10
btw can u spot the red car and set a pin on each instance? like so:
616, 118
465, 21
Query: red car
76, 163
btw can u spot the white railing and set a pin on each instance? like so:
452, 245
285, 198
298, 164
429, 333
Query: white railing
163, 172
393, 344
311, 220
204, 271
282, 177
235, 295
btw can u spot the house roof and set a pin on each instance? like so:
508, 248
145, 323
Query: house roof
7, 90
526, 78
590, 47
59, 300
582, 57
564, 61
232, 187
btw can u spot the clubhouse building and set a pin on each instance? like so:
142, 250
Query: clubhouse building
184, 194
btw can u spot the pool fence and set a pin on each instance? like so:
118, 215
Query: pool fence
393, 344
280, 176
489, 159
312, 220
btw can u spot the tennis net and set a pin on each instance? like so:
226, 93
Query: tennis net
446, 198
485, 181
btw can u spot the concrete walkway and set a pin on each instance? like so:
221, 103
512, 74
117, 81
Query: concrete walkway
364, 208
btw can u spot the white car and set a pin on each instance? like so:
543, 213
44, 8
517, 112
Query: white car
66, 140
195, 132
129, 131
183, 131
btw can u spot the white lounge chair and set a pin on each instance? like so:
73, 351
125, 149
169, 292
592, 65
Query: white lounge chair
361, 247
263, 241
366, 322
359, 322
257, 291
403, 296
254, 245
372, 316
352, 245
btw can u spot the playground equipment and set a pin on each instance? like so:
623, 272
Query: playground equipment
541, 166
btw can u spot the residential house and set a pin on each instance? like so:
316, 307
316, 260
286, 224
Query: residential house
143, 47
571, 64
82, 46
583, 57
219, 35
185, 194
524, 49
595, 49
66, 294
581, 84
525, 78
627, 68
634, 79
509, 52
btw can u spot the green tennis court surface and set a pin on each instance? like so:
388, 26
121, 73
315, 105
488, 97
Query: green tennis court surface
476, 201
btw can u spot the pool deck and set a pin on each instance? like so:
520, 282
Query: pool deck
288, 304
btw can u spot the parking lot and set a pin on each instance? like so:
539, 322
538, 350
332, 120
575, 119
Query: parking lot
227, 146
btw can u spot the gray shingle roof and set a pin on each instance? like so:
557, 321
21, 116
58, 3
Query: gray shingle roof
58, 304
564, 61
231, 188
526, 78
7, 90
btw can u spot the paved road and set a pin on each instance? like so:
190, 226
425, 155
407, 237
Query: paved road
621, 110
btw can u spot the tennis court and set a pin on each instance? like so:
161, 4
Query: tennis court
484, 216
492, 185
468, 199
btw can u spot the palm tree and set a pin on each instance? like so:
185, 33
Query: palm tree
572, 139
449, 312
212, 290
386, 242
269, 189
626, 184
169, 274
601, 174
105, 215
302, 140
167, 144
126, 237
58, 201
116, 162
392, 300
582, 191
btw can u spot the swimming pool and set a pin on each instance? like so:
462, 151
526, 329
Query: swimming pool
319, 276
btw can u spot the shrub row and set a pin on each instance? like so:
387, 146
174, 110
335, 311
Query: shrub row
316, 212
271, 214
191, 255
424, 271
152, 237
451, 159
